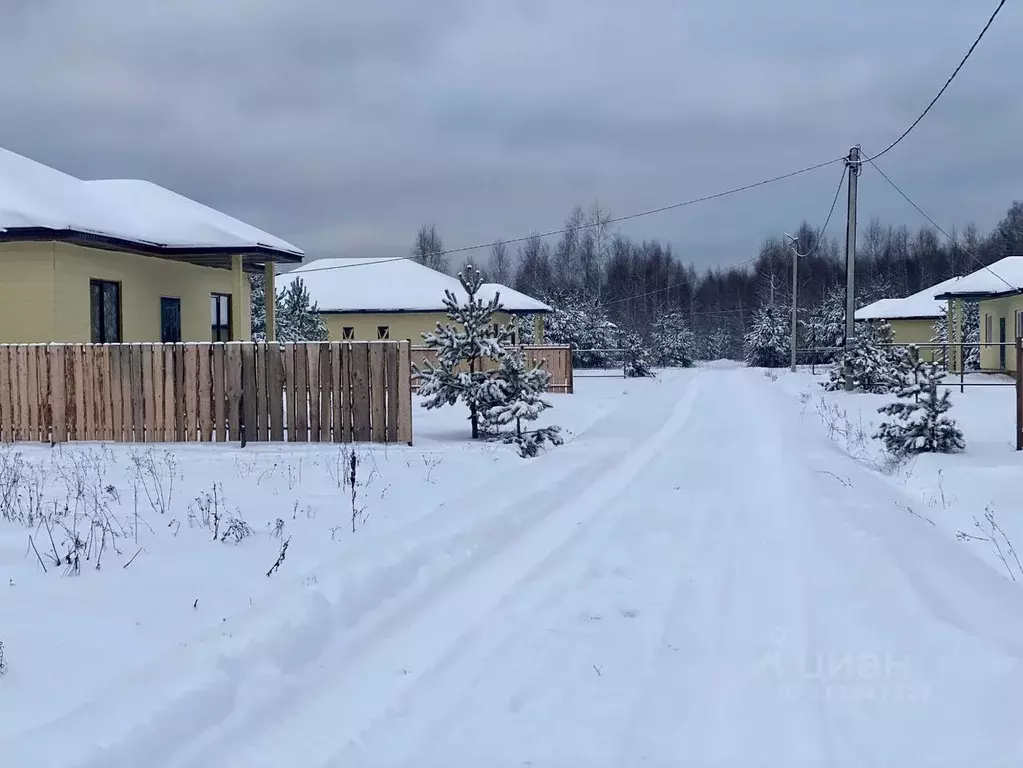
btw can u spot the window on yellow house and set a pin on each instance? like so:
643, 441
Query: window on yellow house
348, 333
383, 332
989, 328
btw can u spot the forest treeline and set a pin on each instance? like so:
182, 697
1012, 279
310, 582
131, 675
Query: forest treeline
593, 268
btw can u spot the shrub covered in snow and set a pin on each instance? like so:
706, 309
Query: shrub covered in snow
767, 344
674, 344
919, 422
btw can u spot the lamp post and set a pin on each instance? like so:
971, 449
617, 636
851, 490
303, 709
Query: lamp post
795, 293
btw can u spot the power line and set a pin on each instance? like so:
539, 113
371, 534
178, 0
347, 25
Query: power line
935, 224
590, 225
948, 82
820, 233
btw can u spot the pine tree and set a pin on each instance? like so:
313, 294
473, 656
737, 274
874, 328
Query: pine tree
674, 343
297, 318
582, 323
920, 423
464, 342
767, 344
516, 396
718, 345
258, 289
824, 325
637, 357
875, 368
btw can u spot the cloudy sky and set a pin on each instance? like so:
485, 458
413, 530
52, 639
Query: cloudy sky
343, 125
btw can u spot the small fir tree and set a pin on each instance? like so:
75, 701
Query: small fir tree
298, 318
875, 368
465, 343
919, 418
767, 344
637, 357
673, 341
516, 397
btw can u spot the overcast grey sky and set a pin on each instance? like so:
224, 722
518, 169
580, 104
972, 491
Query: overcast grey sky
344, 125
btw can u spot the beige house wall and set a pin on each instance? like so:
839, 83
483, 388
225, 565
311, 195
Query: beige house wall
45, 293
400, 325
992, 311
27, 299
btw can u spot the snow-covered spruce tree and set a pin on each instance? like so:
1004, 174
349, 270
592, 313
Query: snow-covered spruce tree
673, 342
875, 368
919, 422
465, 342
971, 330
514, 397
718, 345
637, 357
582, 323
767, 343
258, 289
824, 325
298, 319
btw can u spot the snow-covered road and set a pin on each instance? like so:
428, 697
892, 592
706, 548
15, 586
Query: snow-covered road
700, 579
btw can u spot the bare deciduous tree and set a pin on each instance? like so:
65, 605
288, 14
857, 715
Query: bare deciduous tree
428, 249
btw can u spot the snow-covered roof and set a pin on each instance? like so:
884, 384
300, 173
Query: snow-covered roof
391, 285
512, 300
920, 305
1003, 277
34, 196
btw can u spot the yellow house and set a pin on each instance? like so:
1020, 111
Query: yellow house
367, 299
912, 318
999, 290
121, 261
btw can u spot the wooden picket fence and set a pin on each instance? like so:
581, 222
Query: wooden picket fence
557, 361
203, 392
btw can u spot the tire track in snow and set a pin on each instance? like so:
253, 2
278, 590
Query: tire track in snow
364, 678
436, 702
271, 652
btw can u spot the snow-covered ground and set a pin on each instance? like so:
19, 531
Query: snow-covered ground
700, 576
955, 491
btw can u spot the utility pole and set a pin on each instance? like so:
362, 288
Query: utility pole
852, 162
795, 294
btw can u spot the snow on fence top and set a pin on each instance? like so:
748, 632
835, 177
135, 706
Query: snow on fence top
35, 196
921, 305
392, 285
1003, 277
